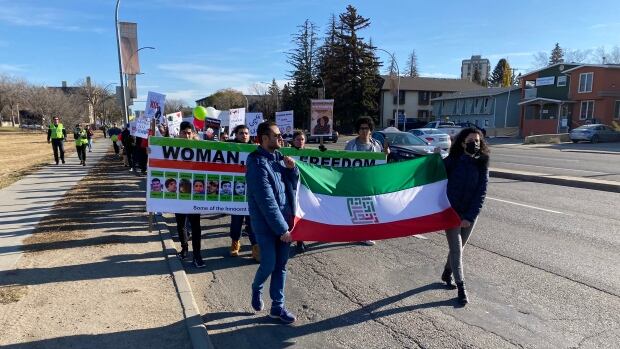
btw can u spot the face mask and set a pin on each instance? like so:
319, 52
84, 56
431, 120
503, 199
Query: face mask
472, 147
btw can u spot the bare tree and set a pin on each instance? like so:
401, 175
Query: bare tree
412, 65
577, 56
602, 56
53, 102
541, 60
173, 105
92, 95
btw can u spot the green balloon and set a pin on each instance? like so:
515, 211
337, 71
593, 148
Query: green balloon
200, 112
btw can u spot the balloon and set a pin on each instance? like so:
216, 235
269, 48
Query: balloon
213, 113
200, 113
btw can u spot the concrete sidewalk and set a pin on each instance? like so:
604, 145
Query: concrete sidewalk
79, 267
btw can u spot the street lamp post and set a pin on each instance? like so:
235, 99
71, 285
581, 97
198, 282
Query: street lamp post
120, 63
323, 82
397, 88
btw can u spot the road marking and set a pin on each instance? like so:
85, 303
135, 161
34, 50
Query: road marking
535, 157
529, 206
555, 168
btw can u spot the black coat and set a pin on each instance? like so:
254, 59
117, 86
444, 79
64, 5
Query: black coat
467, 184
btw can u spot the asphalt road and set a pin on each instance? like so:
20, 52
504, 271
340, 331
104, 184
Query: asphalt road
541, 269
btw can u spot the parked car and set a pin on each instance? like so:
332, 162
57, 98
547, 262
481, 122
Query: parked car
469, 124
316, 139
446, 127
435, 137
405, 146
594, 133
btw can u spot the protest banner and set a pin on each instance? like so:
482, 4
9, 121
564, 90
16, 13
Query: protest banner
174, 162
252, 120
132, 128
142, 128
285, 122
237, 117
174, 123
321, 117
154, 107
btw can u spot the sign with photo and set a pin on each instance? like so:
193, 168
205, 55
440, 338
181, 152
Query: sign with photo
155, 107
285, 121
174, 123
321, 117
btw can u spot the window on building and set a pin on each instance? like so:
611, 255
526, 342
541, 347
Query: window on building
587, 110
401, 112
424, 97
401, 97
561, 80
617, 110
585, 82
486, 122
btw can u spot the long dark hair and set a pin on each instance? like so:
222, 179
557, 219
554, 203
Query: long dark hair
456, 150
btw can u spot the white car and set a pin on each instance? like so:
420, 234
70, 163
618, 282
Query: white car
436, 137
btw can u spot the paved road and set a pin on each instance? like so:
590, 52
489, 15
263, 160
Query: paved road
542, 272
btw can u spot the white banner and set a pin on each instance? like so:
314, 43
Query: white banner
285, 121
174, 123
142, 128
252, 120
237, 117
154, 107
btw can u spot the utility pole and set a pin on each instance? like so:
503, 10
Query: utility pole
120, 63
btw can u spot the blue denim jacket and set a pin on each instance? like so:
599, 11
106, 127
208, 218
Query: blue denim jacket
467, 185
271, 189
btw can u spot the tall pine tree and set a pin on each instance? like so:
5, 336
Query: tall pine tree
412, 65
557, 55
303, 59
497, 76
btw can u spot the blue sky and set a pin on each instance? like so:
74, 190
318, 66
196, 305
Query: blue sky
203, 46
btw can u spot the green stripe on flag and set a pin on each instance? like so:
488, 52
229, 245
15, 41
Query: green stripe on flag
372, 180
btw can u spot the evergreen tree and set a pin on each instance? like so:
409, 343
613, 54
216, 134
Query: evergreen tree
274, 97
412, 65
497, 76
286, 102
329, 68
303, 60
557, 55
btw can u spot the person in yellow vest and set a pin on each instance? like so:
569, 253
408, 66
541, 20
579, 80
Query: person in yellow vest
56, 134
81, 141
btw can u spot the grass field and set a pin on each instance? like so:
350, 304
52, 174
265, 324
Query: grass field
24, 152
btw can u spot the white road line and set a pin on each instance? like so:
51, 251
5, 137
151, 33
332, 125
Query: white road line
555, 168
529, 206
535, 157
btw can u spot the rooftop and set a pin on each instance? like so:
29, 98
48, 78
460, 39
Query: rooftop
431, 84
483, 92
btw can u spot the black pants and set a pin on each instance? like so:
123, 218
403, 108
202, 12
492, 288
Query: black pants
116, 148
140, 157
129, 153
81, 151
194, 221
236, 222
59, 149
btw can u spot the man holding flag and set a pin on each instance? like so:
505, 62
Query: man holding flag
271, 185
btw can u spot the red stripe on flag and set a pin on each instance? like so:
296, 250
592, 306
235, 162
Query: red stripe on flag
197, 166
306, 230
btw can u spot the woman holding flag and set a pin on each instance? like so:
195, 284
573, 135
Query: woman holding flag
467, 168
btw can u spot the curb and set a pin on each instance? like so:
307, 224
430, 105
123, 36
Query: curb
604, 152
566, 181
193, 320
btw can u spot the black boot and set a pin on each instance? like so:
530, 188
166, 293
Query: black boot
301, 247
184, 253
447, 278
462, 293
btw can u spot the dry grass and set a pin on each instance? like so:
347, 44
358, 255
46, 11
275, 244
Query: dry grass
12, 294
25, 152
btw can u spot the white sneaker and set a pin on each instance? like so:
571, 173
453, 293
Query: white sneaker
131, 169
369, 242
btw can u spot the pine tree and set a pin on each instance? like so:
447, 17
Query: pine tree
303, 59
286, 102
412, 65
557, 55
497, 76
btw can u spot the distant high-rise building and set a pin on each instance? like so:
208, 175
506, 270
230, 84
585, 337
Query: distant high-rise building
469, 66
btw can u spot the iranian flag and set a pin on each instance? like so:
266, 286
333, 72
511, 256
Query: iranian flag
372, 203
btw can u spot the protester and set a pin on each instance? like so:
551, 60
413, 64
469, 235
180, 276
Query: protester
57, 134
224, 137
140, 154
113, 133
187, 132
90, 134
242, 135
104, 129
128, 142
272, 181
81, 141
467, 167
299, 142
364, 142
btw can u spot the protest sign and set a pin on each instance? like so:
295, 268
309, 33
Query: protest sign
284, 120
174, 123
175, 162
212, 129
142, 128
321, 117
155, 107
237, 117
252, 120
132, 128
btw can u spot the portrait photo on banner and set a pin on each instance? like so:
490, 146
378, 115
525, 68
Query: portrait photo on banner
321, 117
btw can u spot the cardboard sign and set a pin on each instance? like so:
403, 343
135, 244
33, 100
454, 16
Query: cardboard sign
174, 123
237, 117
285, 121
252, 120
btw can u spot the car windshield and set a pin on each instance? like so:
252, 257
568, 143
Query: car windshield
404, 138
585, 127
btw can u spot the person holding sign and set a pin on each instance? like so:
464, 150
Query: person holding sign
242, 135
271, 186
364, 142
187, 132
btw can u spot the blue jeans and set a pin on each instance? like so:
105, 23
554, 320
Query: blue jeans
273, 258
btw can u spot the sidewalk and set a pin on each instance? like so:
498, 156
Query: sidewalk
78, 267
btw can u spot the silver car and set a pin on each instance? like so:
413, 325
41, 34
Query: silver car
433, 136
594, 133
